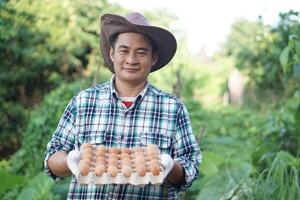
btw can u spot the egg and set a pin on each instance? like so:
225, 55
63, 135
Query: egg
101, 150
125, 150
152, 148
87, 162
100, 162
86, 156
87, 150
124, 155
86, 145
126, 170
138, 149
84, 168
139, 159
139, 153
112, 170
154, 161
152, 155
126, 163
154, 169
99, 170
126, 160
100, 158
113, 162
113, 155
114, 150
141, 170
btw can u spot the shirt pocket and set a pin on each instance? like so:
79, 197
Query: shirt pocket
95, 138
163, 141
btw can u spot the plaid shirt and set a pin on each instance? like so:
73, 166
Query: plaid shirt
97, 115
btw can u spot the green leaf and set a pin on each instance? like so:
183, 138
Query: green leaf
286, 157
226, 183
10, 180
210, 163
38, 188
284, 59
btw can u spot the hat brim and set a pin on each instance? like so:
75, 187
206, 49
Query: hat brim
165, 41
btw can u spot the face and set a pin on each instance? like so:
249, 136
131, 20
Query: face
133, 57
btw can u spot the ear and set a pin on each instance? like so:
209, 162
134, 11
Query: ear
154, 58
111, 54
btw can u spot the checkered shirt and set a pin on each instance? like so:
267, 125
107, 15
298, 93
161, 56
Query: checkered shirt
97, 115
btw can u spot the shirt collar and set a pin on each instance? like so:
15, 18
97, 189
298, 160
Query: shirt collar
114, 93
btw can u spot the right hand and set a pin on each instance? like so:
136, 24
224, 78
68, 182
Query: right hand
72, 161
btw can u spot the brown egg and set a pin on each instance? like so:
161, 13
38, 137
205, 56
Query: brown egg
126, 170
102, 158
141, 170
126, 163
114, 150
155, 169
113, 155
125, 150
154, 161
86, 156
112, 170
87, 150
100, 162
86, 145
152, 148
139, 153
87, 162
124, 155
101, 150
113, 162
138, 149
99, 170
84, 168
126, 160
152, 156
139, 159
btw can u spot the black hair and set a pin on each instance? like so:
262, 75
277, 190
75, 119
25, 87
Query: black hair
113, 39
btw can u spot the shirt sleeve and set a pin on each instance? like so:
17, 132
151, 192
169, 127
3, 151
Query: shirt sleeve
186, 148
63, 137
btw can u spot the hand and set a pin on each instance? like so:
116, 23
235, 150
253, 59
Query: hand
72, 161
167, 163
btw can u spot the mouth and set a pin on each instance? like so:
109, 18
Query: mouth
129, 69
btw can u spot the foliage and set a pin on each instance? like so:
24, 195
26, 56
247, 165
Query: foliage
41, 125
257, 48
41, 46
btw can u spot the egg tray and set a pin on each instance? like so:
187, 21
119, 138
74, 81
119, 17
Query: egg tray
134, 179
120, 178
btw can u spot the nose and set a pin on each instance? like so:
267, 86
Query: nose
132, 59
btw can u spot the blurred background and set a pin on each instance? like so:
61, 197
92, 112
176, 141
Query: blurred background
237, 69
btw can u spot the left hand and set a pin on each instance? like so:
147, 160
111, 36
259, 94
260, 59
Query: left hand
167, 163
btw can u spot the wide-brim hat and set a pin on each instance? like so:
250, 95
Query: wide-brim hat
135, 22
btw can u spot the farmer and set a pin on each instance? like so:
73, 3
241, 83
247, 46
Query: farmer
128, 112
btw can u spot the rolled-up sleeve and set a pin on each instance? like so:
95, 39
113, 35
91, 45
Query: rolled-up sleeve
64, 136
186, 148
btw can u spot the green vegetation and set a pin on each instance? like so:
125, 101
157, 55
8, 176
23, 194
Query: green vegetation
49, 53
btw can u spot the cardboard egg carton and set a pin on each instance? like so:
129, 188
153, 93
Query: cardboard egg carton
143, 165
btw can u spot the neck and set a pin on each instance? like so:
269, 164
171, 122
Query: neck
125, 89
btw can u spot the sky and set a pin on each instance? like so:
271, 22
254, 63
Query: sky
208, 22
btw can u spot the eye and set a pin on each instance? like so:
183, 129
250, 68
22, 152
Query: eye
141, 53
123, 51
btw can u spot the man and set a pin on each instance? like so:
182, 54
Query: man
128, 112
